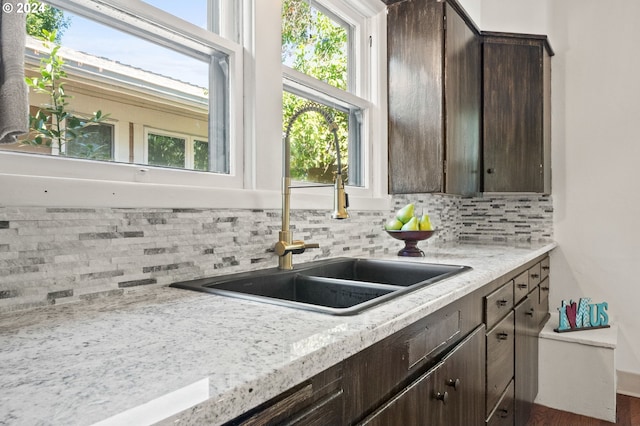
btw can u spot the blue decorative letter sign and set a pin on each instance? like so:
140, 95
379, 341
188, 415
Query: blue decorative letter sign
582, 316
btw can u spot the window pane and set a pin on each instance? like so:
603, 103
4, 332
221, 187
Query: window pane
94, 142
313, 154
315, 43
194, 11
106, 74
166, 151
200, 155
102, 42
223, 19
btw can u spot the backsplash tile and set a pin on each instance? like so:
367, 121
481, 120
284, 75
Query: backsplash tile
60, 255
515, 217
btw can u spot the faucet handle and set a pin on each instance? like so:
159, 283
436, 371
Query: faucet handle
296, 247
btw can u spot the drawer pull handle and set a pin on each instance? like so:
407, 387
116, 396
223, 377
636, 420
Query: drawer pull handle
544, 288
522, 286
454, 383
502, 336
442, 396
529, 312
545, 268
535, 275
502, 302
503, 413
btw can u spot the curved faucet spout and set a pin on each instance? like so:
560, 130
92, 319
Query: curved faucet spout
333, 127
340, 199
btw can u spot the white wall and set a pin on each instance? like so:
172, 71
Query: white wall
596, 151
473, 9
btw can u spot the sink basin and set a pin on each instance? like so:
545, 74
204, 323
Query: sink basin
341, 286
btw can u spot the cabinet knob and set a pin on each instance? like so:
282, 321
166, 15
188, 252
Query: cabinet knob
529, 312
442, 396
502, 336
490, 171
503, 413
454, 383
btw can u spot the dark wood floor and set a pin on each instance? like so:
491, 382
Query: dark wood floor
628, 414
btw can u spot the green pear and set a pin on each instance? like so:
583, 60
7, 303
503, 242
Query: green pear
425, 223
411, 225
393, 225
405, 214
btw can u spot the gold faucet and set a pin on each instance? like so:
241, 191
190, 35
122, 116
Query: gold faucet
286, 247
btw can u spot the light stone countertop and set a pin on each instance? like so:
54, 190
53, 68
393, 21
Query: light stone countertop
147, 356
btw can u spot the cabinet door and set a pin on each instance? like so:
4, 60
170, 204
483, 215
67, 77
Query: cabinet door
420, 403
415, 31
434, 99
463, 379
513, 117
451, 393
462, 99
526, 357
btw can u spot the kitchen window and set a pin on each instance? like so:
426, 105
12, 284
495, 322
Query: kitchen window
231, 120
141, 64
324, 51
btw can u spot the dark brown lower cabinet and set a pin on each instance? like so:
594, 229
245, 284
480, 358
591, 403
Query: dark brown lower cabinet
512, 343
450, 393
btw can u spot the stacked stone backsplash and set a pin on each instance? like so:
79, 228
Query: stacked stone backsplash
506, 218
61, 255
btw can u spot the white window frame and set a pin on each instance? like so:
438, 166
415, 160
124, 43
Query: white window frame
256, 81
368, 22
163, 28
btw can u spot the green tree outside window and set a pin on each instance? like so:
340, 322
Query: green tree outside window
316, 45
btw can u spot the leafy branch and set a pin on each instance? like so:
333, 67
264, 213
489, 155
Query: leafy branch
54, 125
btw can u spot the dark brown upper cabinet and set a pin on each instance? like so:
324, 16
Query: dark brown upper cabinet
434, 69
516, 134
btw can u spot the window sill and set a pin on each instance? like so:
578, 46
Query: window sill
44, 191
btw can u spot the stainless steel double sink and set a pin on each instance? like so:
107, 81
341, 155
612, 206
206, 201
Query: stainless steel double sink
340, 286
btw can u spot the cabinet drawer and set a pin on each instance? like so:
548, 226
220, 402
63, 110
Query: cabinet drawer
498, 304
544, 268
503, 413
534, 275
543, 300
500, 363
520, 287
